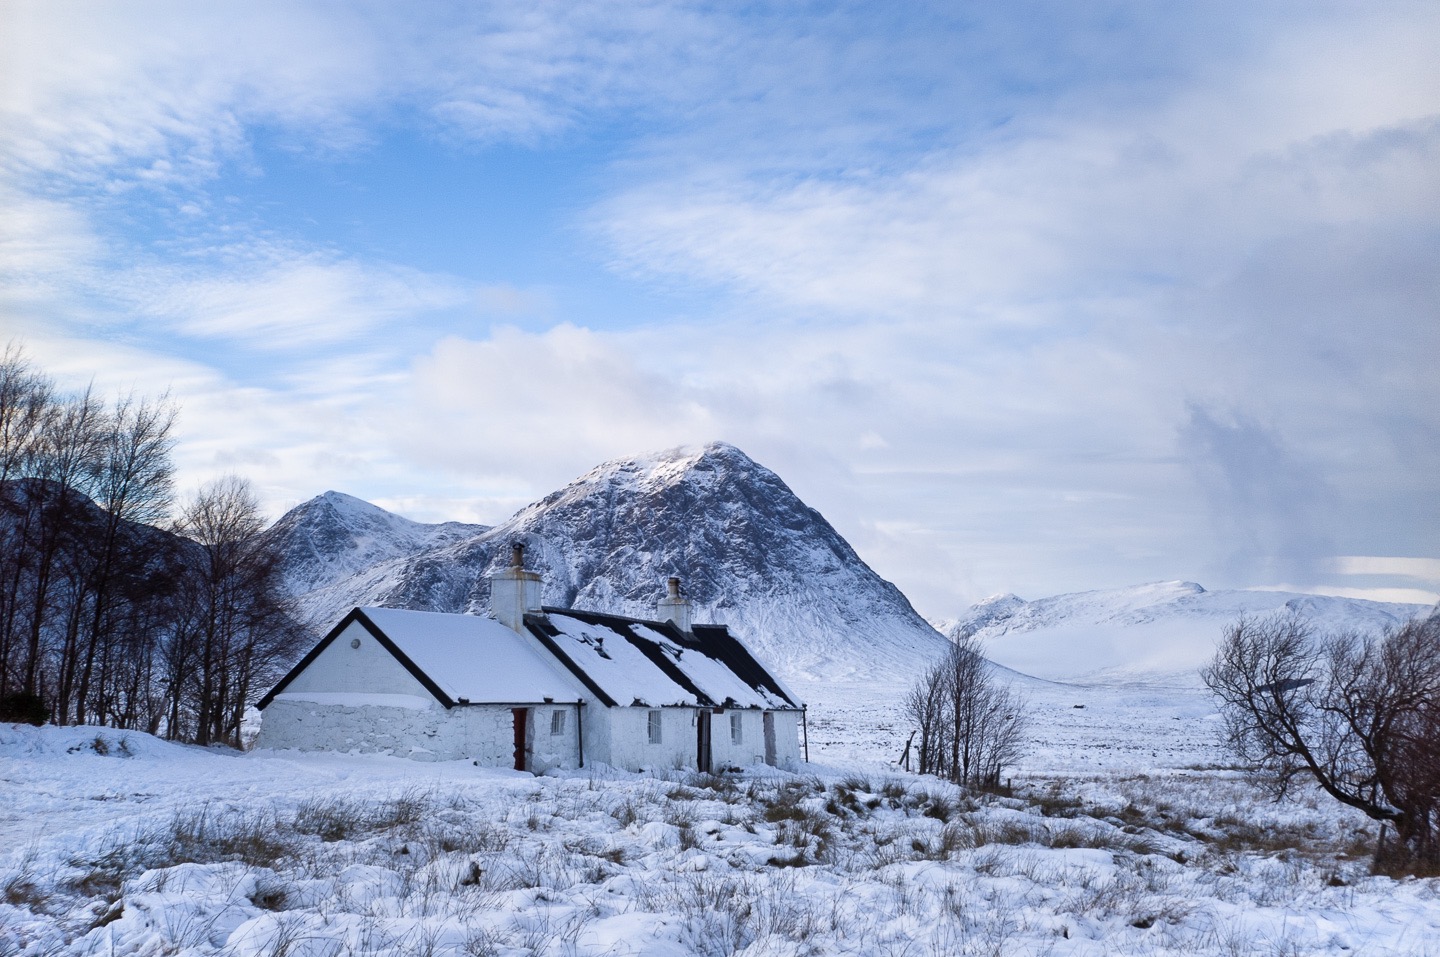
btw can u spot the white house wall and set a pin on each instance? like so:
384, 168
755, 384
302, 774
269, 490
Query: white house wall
629, 735
369, 668
337, 704
481, 733
621, 737
547, 749
724, 751
337, 716
787, 739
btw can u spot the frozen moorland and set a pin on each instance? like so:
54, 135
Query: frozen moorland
1125, 834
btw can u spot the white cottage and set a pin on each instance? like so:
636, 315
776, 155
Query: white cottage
536, 688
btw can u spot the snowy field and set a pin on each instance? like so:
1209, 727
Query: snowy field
1126, 835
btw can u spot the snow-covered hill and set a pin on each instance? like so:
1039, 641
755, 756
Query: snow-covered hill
750, 553
1162, 628
335, 536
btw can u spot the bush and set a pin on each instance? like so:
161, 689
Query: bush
22, 707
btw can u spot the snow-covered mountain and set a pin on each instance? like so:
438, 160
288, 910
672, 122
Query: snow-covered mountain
335, 536
750, 554
1160, 628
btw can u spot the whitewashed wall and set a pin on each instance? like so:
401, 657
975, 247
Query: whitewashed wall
349, 699
628, 734
481, 733
787, 739
620, 737
547, 749
368, 668
725, 751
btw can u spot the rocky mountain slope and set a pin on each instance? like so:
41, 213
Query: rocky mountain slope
1162, 628
335, 536
750, 553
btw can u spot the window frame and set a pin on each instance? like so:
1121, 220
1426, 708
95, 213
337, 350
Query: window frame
654, 726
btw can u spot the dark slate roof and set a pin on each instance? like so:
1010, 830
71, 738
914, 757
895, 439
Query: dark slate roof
627, 661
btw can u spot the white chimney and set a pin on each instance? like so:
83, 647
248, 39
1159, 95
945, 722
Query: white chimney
514, 591
673, 607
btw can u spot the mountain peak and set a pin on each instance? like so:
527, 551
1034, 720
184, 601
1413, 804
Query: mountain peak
334, 535
674, 464
348, 505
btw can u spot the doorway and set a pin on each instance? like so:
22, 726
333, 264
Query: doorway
702, 741
770, 756
522, 723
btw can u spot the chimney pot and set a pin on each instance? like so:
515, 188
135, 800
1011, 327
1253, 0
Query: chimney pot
674, 607
517, 555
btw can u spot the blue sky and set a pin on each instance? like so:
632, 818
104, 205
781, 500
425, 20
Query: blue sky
1024, 297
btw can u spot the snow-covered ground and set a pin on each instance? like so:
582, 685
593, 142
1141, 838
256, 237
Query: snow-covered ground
1117, 727
1126, 835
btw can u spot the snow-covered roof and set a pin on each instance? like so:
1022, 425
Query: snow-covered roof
621, 661
630, 662
458, 658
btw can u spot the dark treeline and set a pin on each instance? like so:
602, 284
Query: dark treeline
116, 607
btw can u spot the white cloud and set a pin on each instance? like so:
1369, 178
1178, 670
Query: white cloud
1423, 569
278, 306
1403, 596
537, 404
167, 91
1255, 240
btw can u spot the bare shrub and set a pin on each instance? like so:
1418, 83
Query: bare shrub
21, 888
1357, 714
408, 808
210, 834
331, 818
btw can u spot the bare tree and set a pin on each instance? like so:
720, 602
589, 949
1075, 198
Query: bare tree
1357, 714
133, 488
238, 626
925, 706
26, 402
105, 617
65, 463
969, 725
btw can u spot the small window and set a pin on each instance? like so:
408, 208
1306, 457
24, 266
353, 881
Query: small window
737, 728
557, 722
654, 727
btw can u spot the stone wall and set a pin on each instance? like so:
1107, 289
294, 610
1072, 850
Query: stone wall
481, 733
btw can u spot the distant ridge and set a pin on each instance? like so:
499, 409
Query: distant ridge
1160, 628
751, 555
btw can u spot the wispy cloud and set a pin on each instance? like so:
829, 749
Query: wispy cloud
305, 302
